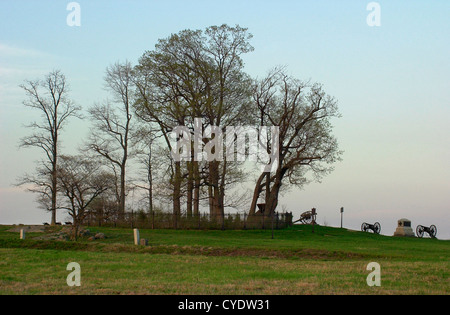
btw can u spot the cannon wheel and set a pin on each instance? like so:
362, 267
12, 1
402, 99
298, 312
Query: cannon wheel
364, 227
433, 231
419, 231
307, 217
377, 228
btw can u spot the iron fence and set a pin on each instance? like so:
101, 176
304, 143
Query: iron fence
202, 221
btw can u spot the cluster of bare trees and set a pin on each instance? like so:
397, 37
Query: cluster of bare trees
193, 79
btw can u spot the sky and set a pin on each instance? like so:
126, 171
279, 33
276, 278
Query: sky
391, 82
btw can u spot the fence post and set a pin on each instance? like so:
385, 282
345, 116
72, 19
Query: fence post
277, 221
273, 215
153, 220
313, 212
22, 234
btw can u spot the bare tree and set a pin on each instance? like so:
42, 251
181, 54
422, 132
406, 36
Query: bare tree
302, 111
145, 145
49, 97
81, 181
110, 135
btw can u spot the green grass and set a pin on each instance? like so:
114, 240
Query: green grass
296, 261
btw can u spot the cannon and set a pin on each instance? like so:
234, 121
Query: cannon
307, 217
376, 227
432, 230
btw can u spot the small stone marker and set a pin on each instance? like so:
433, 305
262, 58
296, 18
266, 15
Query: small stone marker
22, 234
404, 228
144, 242
136, 237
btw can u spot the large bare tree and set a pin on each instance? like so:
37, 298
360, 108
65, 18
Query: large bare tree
112, 126
303, 113
49, 96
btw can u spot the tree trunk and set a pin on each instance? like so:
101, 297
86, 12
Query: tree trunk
54, 188
122, 192
75, 228
177, 193
256, 194
54, 173
190, 189
196, 198
213, 190
150, 184
149, 169
221, 193
272, 198
267, 199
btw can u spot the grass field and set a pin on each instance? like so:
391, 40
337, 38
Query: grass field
296, 261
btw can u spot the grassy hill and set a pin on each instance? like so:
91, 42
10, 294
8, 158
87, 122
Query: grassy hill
296, 261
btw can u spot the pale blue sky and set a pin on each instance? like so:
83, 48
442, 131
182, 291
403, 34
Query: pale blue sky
392, 84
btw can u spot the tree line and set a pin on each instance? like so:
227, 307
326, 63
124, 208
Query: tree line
194, 79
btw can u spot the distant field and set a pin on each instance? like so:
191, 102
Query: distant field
296, 261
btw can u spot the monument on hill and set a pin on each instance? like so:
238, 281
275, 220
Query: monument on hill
404, 228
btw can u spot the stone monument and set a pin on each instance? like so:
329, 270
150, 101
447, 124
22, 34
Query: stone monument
137, 239
22, 234
404, 228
